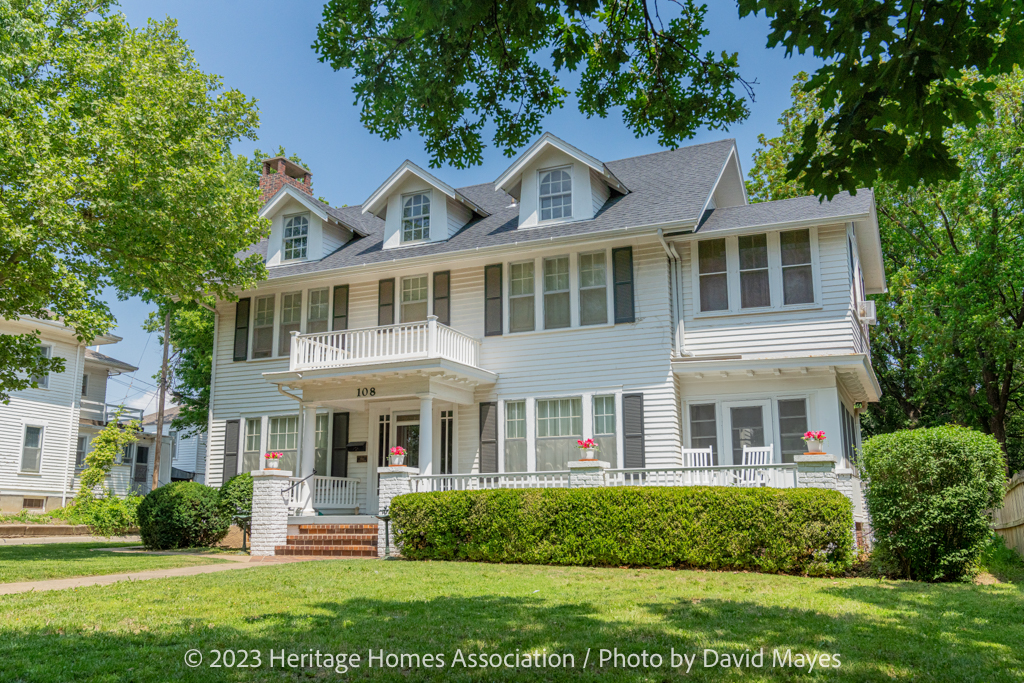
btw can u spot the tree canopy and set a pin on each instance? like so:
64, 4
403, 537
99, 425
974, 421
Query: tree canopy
889, 80
116, 170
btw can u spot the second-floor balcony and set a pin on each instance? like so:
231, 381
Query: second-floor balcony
94, 412
388, 343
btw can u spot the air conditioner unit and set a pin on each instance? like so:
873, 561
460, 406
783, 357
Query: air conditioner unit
866, 312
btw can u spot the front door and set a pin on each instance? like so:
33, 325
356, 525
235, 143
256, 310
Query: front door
747, 423
141, 467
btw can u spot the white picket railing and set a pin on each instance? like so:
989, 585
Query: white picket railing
476, 482
427, 339
779, 476
106, 412
335, 492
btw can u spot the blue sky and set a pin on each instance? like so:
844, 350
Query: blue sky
263, 49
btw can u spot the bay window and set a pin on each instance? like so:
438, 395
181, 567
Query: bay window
515, 436
559, 426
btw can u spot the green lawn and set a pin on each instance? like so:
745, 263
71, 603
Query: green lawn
65, 560
882, 630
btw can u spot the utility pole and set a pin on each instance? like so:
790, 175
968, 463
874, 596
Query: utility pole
160, 403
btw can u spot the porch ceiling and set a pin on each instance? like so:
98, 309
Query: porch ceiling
853, 370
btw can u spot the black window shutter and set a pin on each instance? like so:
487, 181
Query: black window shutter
622, 273
633, 430
340, 313
386, 302
339, 446
242, 328
488, 437
230, 449
492, 300
442, 297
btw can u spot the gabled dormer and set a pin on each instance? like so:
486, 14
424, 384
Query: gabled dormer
418, 208
301, 228
554, 182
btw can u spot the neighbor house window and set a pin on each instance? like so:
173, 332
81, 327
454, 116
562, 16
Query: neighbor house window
42, 381
296, 232
319, 310
515, 436
556, 293
85, 385
81, 448
414, 299
714, 280
792, 426
291, 321
32, 450
604, 428
593, 289
416, 218
520, 294
251, 453
559, 425
284, 438
703, 427
555, 194
754, 289
263, 328
797, 274
320, 444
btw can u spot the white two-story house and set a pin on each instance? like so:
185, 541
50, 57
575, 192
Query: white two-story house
642, 302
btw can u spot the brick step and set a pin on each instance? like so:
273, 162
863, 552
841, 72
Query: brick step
327, 550
330, 539
338, 529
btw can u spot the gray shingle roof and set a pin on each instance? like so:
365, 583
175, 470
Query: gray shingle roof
786, 211
665, 186
97, 357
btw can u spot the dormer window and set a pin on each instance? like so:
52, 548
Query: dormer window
296, 232
416, 217
555, 194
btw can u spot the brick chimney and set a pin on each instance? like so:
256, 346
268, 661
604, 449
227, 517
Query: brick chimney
278, 172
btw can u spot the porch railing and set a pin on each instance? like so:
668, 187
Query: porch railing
409, 341
107, 412
328, 492
779, 476
476, 482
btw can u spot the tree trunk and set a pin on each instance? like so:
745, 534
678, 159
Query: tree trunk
157, 447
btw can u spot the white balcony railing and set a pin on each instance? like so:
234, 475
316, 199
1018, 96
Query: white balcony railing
107, 412
476, 482
407, 341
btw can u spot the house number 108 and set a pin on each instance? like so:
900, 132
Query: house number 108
366, 391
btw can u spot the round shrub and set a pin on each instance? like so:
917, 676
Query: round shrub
184, 514
928, 492
236, 497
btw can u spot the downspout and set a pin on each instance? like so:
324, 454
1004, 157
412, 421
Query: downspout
69, 471
675, 279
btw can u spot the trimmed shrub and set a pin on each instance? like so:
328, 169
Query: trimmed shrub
184, 514
804, 531
236, 497
928, 494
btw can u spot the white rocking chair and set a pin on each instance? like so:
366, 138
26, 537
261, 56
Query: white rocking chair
698, 457
755, 455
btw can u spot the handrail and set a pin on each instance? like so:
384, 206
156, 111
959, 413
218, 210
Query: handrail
292, 487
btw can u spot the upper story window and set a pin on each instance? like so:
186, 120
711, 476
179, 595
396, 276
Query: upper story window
754, 291
296, 232
414, 299
555, 194
263, 328
714, 282
556, 293
797, 273
520, 294
42, 381
291, 321
319, 310
593, 289
416, 217
32, 450
85, 385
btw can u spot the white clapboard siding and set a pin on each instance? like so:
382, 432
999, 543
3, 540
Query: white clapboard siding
458, 216
599, 191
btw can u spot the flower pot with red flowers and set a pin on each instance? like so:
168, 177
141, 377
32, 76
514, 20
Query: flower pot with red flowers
272, 461
815, 442
396, 456
587, 446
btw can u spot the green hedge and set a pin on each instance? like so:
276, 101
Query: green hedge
183, 514
928, 494
804, 531
236, 499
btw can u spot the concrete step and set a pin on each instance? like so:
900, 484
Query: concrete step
327, 550
333, 539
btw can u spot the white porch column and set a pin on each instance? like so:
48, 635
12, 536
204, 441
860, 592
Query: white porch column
307, 456
426, 434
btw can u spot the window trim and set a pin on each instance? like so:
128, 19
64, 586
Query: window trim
309, 302
45, 383
400, 289
774, 275
532, 296
279, 331
580, 288
736, 400
25, 426
573, 285
401, 217
273, 327
572, 193
284, 240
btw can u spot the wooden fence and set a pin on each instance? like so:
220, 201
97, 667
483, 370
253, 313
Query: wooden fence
1008, 521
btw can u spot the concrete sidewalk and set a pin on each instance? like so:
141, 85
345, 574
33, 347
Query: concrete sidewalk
43, 540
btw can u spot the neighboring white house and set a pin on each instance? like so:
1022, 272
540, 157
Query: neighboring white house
188, 453
45, 432
642, 302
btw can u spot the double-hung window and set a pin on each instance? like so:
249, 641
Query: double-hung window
296, 232
263, 328
754, 287
559, 426
252, 454
291, 321
414, 299
593, 289
520, 294
81, 448
319, 310
515, 436
604, 428
556, 194
797, 273
284, 439
714, 278
32, 450
416, 217
85, 385
704, 428
556, 293
42, 381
